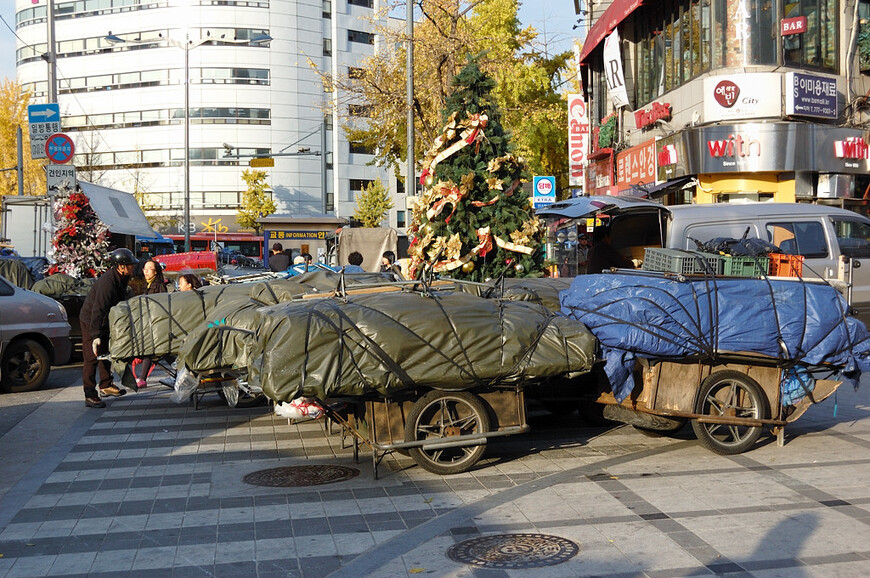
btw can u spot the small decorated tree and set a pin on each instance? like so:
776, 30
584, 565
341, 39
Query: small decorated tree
81, 240
473, 219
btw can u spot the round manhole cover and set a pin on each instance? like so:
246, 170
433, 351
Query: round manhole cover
513, 551
300, 476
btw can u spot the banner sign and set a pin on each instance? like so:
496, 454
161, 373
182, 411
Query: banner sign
738, 96
636, 166
578, 141
613, 71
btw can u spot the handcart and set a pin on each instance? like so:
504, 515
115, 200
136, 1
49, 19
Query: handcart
729, 400
444, 432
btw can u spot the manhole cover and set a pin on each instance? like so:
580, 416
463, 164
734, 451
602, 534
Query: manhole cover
300, 476
513, 551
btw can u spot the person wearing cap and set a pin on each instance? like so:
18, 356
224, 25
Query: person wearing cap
278, 260
109, 290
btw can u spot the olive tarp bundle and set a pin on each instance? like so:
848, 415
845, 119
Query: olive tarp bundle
371, 342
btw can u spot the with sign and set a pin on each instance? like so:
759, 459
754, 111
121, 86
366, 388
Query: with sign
262, 162
59, 148
43, 121
544, 191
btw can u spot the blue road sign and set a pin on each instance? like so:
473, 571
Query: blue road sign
59, 148
43, 113
544, 191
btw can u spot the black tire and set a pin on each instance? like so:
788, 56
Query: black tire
25, 366
444, 414
734, 394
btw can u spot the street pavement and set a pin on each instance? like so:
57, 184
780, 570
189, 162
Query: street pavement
149, 487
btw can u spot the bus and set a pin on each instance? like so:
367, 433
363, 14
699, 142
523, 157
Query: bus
149, 247
248, 244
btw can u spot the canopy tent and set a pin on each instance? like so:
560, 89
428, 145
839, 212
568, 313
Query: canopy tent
118, 210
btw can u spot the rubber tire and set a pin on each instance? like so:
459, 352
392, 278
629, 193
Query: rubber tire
424, 412
26, 366
746, 436
658, 433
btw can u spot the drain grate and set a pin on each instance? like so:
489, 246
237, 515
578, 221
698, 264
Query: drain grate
513, 551
300, 476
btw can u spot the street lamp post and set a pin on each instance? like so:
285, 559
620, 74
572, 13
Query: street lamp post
187, 46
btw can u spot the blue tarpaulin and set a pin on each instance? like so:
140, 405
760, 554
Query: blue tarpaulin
655, 317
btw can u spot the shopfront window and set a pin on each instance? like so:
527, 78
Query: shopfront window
678, 40
817, 47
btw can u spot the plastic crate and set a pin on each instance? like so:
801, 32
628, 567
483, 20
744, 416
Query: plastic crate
680, 261
744, 266
782, 265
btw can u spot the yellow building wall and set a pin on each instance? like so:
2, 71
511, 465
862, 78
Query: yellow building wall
712, 186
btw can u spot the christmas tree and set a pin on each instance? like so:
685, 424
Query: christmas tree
473, 220
81, 240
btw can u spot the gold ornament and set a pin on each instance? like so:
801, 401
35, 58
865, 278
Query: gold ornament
519, 267
468, 267
429, 180
454, 247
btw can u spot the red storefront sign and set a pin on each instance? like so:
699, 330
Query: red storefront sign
578, 140
658, 111
636, 165
788, 26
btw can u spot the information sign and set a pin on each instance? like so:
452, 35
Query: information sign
545, 191
43, 121
56, 176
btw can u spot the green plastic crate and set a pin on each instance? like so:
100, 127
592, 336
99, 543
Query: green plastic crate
745, 266
680, 261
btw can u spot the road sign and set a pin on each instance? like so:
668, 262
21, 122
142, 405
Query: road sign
59, 148
545, 191
58, 175
262, 162
44, 121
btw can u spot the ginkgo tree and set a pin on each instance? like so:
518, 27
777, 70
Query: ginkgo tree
256, 202
13, 114
445, 33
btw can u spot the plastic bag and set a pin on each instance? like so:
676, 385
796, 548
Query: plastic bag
299, 408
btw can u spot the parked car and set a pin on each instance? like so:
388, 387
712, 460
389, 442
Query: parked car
34, 335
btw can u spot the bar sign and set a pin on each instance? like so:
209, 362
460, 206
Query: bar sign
789, 26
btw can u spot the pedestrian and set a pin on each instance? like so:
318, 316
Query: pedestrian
278, 260
603, 256
151, 284
565, 268
388, 265
355, 261
189, 282
582, 254
109, 290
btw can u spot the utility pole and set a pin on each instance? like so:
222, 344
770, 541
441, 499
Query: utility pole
20, 167
50, 56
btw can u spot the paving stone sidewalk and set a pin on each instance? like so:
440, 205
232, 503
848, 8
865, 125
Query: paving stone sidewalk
148, 487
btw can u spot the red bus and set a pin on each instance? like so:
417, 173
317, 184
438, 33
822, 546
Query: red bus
248, 244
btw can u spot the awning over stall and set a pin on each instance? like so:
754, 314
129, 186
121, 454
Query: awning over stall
583, 206
118, 210
612, 17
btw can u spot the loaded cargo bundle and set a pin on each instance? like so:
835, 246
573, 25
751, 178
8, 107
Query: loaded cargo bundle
386, 342
657, 317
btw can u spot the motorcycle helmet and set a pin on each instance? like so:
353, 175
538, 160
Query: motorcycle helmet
123, 257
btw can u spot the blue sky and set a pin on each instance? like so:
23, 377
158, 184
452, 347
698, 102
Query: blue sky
552, 18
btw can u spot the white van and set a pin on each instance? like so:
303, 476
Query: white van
833, 241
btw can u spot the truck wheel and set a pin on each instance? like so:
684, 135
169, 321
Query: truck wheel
729, 394
25, 366
440, 415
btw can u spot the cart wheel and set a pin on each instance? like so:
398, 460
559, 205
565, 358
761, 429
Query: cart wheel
444, 414
730, 394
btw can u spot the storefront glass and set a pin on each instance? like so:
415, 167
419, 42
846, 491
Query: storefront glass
677, 40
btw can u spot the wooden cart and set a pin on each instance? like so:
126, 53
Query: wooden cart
444, 432
729, 401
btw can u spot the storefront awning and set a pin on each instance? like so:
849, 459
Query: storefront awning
118, 210
612, 17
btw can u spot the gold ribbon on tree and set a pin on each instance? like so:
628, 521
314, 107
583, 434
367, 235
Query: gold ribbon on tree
473, 131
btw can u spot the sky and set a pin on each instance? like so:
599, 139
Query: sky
552, 18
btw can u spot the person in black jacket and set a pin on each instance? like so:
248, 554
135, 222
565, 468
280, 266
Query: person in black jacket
278, 260
109, 290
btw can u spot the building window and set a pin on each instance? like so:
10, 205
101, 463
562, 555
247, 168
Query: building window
327, 46
817, 47
327, 121
360, 37
400, 219
363, 3
360, 148
359, 185
327, 9
400, 186
361, 110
